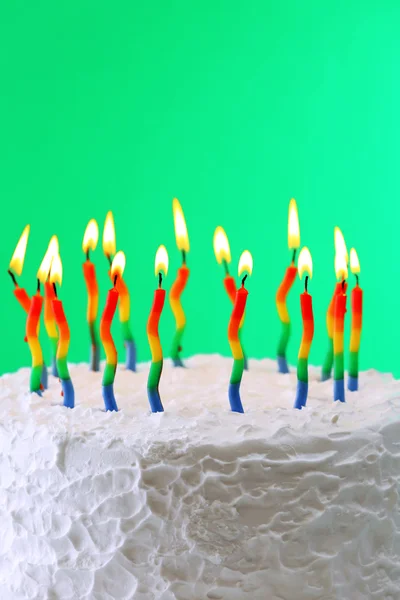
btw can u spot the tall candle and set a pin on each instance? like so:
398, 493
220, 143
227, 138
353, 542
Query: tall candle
245, 265
304, 266
109, 247
90, 240
356, 323
117, 269
285, 286
153, 382
68, 391
338, 331
223, 255
182, 241
32, 323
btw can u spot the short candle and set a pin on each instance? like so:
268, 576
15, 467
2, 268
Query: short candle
90, 240
356, 323
49, 295
305, 265
338, 330
32, 326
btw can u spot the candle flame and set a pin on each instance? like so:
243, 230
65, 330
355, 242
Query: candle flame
305, 264
46, 265
293, 226
221, 245
354, 262
245, 263
341, 267
118, 264
181, 234
161, 262
56, 271
340, 244
91, 236
17, 260
109, 244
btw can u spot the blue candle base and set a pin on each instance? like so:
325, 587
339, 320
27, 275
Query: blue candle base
234, 398
301, 394
245, 364
44, 378
154, 400
94, 360
178, 362
325, 376
352, 383
109, 398
54, 370
68, 393
282, 364
338, 390
130, 362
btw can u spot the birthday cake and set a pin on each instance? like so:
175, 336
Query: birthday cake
198, 502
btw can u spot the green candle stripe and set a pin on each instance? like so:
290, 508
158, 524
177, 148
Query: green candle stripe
284, 339
328, 362
62, 368
176, 343
237, 370
338, 366
302, 370
109, 374
126, 331
36, 375
353, 364
154, 374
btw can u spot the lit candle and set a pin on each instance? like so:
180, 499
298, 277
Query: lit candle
49, 295
64, 335
305, 265
89, 272
161, 264
245, 264
32, 325
109, 247
284, 288
15, 269
117, 269
340, 247
338, 330
356, 323
223, 255
182, 241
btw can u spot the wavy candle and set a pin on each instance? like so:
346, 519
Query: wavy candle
223, 255
304, 266
338, 331
245, 264
182, 241
356, 323
109, 247
117, 269
32, 324
64, 339
153, 381
285, 286
90, 240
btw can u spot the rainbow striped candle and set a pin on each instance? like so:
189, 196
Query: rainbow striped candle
161, 264
117, 269
182, 241
285, 286
109, 247
338, 331
304, 266
356, 324
222, 253
245, 264
90, 240
50, 324
32, 324
67, 387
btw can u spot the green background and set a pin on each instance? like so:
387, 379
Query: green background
233, 107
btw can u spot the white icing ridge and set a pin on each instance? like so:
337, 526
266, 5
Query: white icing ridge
200, 503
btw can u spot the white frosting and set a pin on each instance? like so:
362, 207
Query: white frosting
200, 503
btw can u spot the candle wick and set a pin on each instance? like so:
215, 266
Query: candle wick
55, 289
226, 266
109, 259
183, 257
294, 255
11, 274
343, 284
306, 284
159, 280
357, 279
243, 280
115, 280
38, 286
87, 254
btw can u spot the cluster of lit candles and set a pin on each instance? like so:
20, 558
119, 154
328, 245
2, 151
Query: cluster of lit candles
50, 276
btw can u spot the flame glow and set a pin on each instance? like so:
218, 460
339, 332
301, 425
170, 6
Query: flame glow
109, 244
221, 245
17, 260
293, 226
340, 244
341, 267
56, 270
161, 262
304, 263
245, 263
51, 252
118, 264
354, 262
181, 234
91, 236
